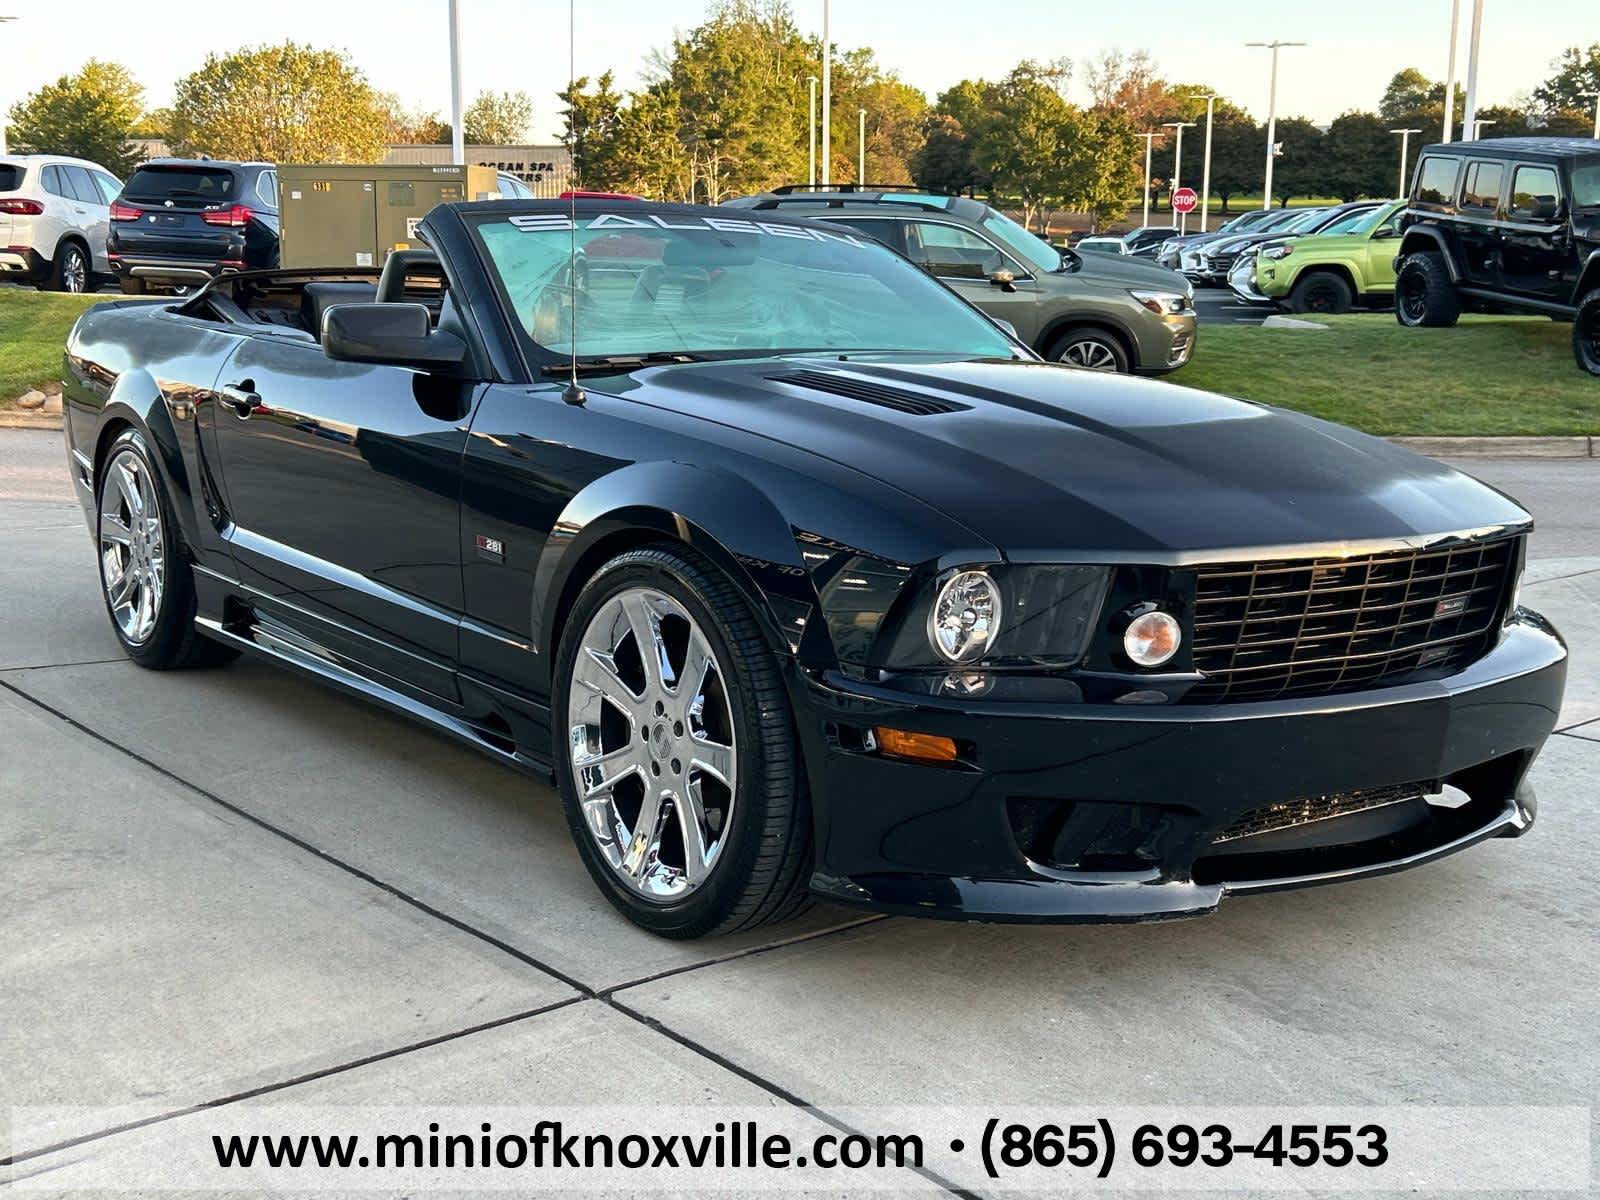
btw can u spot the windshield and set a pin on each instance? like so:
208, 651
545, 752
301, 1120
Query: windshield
1370, 221
1351, 222
647, 283
1306, 221
1026, 246
1586, 186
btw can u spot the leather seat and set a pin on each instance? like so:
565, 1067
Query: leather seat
316, 298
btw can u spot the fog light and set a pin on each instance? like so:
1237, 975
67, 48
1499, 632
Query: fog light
1152, 639
926, 747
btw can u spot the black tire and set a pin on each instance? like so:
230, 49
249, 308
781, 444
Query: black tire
1321, 292
132, 287
1586, 333
1090, 345
764, 870
1424, 297
72, 270
174, 642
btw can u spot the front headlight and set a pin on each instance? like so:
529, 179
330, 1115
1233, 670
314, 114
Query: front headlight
1167, 247
1277, 252
1161, 303
965, 617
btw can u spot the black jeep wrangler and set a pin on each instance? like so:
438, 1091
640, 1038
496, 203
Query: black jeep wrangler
1505, 225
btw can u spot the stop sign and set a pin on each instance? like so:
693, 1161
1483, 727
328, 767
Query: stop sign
1185, 200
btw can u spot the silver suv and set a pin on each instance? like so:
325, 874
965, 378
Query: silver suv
54, 215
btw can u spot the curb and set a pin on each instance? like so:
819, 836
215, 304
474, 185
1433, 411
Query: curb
1501, 447
30, 420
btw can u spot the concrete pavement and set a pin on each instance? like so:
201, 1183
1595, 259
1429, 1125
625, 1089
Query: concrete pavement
237, 888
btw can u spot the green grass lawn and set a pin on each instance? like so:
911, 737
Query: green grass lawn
33, 329
1488, 375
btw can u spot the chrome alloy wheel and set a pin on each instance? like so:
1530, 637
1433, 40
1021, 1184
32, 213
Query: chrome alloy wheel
651, 736
133, 565
1090, 354
74, 271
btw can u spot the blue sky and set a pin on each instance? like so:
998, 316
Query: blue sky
401, 44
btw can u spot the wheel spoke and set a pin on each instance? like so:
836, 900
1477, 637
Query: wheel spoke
691, 811
597, 673
646, 626
123, 587
713, 759
644, 848
128, 485
113, 530
691, 682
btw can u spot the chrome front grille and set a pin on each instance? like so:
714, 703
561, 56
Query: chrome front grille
1320, 626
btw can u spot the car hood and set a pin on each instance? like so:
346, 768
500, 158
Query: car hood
1127, 270
1041, 460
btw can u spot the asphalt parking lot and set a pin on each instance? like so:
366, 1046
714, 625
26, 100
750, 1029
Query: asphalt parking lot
223, 891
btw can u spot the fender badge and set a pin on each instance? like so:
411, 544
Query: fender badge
491, 548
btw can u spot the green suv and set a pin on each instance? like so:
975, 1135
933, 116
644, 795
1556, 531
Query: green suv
1352, 263
1096, 311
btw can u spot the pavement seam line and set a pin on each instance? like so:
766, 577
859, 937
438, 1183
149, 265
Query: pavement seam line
1560, 578
772, 1089
1578, 737
93, 662
267, 1089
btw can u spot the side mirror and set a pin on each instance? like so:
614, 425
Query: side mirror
1007, 326
1545, 209
1384, 233
398, 335
1003, 279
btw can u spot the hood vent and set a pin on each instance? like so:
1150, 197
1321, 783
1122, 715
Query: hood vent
853, 387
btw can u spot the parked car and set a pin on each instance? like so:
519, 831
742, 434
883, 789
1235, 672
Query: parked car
1104, 245
512, 188
1169, 253
181, 222
1505, 225
804, 578
1350, 262
53, 217
1144, 240
1087, 310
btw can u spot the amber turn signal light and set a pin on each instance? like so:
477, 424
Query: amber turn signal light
925, 747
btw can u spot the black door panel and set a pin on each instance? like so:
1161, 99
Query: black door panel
344, 487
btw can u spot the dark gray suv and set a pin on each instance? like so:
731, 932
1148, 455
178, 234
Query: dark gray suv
1102, 312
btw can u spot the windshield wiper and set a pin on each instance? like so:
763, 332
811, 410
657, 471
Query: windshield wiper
611, 364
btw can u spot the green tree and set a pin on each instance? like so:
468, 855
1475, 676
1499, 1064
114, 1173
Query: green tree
945, 162
1024, 148
287, 103
1238, 155
1413, 101
414, 126
498, 118
1300, 170
90, 114
1099, 174
593, 117
1360, 157
1577, 71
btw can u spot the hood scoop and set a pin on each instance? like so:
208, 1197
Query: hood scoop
853, 387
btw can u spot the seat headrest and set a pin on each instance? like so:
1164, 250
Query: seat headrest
400, 263
317, 298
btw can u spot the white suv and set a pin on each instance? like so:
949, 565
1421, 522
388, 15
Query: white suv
54, 215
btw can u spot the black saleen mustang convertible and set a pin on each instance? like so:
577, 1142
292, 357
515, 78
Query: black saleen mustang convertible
807, 579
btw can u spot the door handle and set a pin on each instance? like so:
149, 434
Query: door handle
241, 397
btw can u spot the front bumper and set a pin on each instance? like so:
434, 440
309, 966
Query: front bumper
1242, 282
1165, 343
1142, 794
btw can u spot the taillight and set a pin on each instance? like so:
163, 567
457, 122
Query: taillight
234, 214
22, 208
125, 212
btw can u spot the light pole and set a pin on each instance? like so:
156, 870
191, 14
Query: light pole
827, 100
861, 147
3, 20
458, 135
1470, 117
1149, 140
811, 126
1177, 167
1595, 96
1272, 115
1478, 127
1450, 73
1205, 175
1405, 146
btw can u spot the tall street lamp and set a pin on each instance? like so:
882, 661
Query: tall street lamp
1149, 140
1405, 146
1478, 127
827, 99
1469, 119
1450, 72
811, 125
1177, 167
458, 136
861, 147
1205, 174
1272, 115
3, 20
